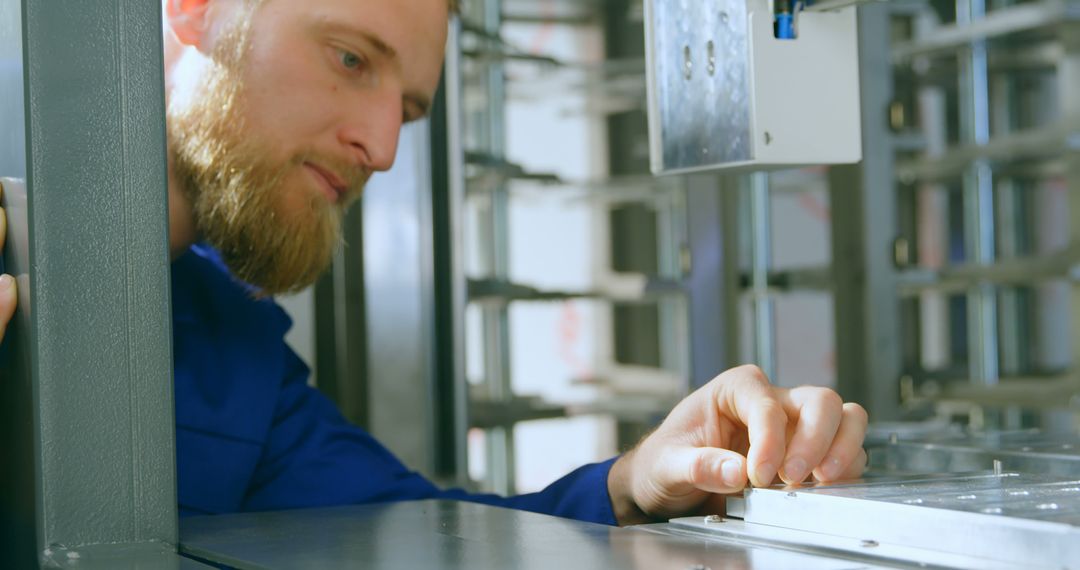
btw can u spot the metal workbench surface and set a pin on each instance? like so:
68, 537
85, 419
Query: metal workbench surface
447, 534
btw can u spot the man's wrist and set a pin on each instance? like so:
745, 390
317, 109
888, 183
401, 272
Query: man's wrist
620, 490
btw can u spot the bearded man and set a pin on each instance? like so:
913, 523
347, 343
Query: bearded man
278, 113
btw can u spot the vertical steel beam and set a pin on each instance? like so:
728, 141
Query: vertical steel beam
496, 238
88, 437
978, 185
758, 197
341, 338
1068, 79
398, 249
713, 280
451, 297
864, 228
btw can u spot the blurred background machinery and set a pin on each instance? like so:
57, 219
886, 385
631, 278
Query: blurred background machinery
535, 299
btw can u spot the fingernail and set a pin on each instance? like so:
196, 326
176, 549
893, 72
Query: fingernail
831, 468
795, 470
764, 474
732, 472
6, 281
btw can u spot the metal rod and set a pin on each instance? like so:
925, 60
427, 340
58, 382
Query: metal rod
978, 189
760, 262
1021, 18
496, 321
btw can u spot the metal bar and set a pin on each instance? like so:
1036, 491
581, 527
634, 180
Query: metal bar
760, 263
709, 284
496, 243
1010, 222
340, 330
88, 454
1012, 20
1025, 392
1045, 142
400, 302
1068, 78
731, 220
829, 5
448, 196
978, 186
1014, 272
863, 199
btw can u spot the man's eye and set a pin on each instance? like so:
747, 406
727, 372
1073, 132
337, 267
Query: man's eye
351, 60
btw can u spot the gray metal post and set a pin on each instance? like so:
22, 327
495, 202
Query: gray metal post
496, 319
864, 228
713, 283
88, 449
400, 303
758, 196
978, 200
1068, 79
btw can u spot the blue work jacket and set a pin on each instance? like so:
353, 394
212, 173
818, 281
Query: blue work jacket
251, 435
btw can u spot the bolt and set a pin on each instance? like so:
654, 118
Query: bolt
768, 138
997, 467
869, 543
698, 567
894, 439
688, 63
714, 519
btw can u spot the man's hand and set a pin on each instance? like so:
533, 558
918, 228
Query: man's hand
737, 429
8, 298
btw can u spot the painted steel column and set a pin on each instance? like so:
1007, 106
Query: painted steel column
88, 450
1068, 79
978, 183
497, 383
713, 281
759, 200
864, 206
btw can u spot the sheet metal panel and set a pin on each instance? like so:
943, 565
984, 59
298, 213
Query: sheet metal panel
1020, 519
700, 85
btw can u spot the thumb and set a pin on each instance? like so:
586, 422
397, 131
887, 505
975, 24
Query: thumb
707, 469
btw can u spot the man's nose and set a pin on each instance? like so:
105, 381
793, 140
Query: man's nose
371, 131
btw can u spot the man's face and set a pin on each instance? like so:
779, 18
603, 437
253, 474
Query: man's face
301, 103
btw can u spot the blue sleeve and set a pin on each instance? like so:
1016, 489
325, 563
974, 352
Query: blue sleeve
313, 458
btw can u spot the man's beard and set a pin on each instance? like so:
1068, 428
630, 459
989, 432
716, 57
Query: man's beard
235, 182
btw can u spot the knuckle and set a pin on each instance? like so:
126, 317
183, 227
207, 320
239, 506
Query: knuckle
828, 399
753, 372
857, 412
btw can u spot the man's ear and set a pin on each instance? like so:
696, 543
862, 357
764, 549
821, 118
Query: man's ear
188, 20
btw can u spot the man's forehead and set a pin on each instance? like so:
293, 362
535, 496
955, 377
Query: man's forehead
396, 28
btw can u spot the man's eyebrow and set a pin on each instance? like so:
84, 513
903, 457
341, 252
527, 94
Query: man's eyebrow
370, 37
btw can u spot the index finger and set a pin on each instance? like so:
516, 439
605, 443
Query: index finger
753, 400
